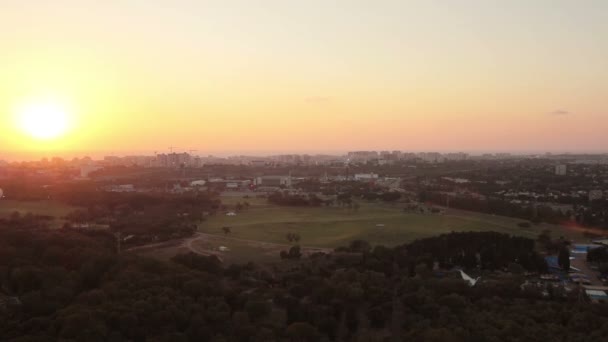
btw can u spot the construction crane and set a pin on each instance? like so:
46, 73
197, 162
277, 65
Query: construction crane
171, 148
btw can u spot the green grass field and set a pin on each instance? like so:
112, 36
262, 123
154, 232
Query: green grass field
50, 208
375, 222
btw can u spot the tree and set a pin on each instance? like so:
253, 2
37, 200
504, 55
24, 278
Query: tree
295, 253
599, 254
390, 196
257, 309
302, 331
226, 230
563, 258
360, 246
292, 237
544, 238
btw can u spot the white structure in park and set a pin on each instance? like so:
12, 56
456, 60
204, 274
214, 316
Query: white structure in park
273, 181
366, 176
468, 279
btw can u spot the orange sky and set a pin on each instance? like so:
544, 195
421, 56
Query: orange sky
251, 76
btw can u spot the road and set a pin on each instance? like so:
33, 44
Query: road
580, 262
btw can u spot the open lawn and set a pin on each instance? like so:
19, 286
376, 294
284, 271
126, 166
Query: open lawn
50, 208
377, 223
258, 233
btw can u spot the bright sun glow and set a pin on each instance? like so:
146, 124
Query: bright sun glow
43, 119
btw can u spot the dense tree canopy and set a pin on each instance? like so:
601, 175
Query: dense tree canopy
74, 287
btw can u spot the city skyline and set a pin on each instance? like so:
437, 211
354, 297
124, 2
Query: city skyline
227, 155
279, 77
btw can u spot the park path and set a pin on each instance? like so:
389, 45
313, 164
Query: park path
261, 244
191, 245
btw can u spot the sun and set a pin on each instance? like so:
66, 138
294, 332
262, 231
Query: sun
43, 119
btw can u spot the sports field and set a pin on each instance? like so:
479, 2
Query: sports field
377, 223
50, 208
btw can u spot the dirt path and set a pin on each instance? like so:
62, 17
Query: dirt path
196, 244
188, 243
260, 244
152, 246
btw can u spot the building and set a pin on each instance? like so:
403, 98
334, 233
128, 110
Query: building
561, 170
393, 184
596, 293
258, 163
7, 302
121, 188
595, 195
173, 160
198, 183
431, 157
362, 156
366, 176
86, 170
456, 156
1, 193
273, 181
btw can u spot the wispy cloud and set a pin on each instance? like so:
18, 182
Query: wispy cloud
317, 99
559, 112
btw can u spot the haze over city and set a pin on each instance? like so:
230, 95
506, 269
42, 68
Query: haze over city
231, 77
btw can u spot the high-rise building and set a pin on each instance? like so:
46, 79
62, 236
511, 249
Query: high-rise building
561, 170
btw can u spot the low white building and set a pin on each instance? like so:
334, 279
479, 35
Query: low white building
232, 185
596, 195
121, 188
198, 183
273, 181
366, 176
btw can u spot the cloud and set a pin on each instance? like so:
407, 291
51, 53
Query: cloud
559, 112
317, 99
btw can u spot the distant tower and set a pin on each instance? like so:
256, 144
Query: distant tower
561, 170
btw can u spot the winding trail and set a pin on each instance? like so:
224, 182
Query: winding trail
255, 243
194, 245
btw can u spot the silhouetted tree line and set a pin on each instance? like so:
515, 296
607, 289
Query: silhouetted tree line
496, 206
286, 199
599, 255
145, 217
